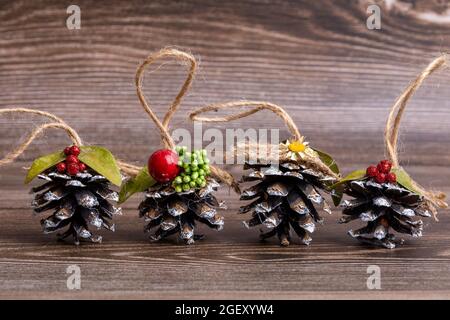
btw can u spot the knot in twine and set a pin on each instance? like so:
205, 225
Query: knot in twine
434, 199
58, 124
313, 162
163, 127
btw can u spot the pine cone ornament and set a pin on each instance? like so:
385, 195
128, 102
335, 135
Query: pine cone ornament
178, 184
286, 197
178, 212
290, 175
384, 196
80, 198
182, 197
384, 205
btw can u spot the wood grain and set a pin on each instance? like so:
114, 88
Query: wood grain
317, 58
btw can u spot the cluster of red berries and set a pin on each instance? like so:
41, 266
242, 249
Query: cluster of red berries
381, 173
72, 164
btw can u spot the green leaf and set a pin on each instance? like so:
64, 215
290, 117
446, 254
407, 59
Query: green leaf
337, 194
140, 183
404, 179
355, 175
102, 161
338, 187
43, 163
328, 160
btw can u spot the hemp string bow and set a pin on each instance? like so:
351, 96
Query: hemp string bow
57, 124
163, 127
434, 199
276, 154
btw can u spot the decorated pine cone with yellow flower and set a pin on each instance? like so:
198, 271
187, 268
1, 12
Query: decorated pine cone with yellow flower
287, 196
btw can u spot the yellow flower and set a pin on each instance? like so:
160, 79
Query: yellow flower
296, 146
297, 149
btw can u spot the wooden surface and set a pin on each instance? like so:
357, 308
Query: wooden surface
317, 58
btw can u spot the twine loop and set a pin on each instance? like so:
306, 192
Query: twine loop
163, 127
182, 57
57, 124
257, 106
311, 161
393, 126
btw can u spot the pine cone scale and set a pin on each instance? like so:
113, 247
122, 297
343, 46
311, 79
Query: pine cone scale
383, 206
78, 201
173, 212
285, 199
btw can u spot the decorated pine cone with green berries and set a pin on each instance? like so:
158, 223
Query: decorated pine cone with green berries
287, 196
77, 189
386, 201
181, 195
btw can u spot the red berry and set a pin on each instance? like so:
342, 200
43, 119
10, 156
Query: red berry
75, 150
381, 177
72, 159
73, 169
372, 171
67, 151
163, 165
391, 177
384, 166
61, 167
82, 167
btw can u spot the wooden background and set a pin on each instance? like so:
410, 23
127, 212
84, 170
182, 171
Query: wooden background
317, 58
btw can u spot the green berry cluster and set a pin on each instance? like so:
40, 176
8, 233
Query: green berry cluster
195, 169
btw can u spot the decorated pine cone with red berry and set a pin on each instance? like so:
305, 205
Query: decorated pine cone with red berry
77, 189
385, 200
179, 194
384, 196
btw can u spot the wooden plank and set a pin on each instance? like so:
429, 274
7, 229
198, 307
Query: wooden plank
228, 261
